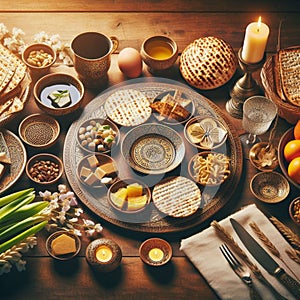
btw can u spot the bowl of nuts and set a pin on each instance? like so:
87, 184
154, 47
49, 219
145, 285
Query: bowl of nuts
44, 168
294, 210
98, 135
39, 58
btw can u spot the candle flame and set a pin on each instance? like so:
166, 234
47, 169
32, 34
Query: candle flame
258, 24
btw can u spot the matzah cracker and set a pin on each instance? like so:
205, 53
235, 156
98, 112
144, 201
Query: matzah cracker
128, 107
287, 71
208, 63
12, 72
177, 197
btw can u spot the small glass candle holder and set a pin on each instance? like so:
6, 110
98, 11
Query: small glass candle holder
155, 252
244, 88
104, 255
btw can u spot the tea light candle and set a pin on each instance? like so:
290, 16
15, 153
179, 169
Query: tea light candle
255, 41
104, 255
156, 254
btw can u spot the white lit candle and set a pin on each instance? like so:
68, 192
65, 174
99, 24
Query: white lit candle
255, 41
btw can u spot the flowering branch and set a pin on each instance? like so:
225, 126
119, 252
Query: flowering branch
14, 41
63, 213
13, 256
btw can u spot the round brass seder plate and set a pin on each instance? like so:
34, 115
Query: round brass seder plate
150, 219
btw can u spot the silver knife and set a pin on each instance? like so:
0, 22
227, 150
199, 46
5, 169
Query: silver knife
266, 260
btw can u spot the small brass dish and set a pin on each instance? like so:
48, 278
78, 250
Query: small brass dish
294, 210
39, 130
155, 252
55, 235
269, 187
264, 158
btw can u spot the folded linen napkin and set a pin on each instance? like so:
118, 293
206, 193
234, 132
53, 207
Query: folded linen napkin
203, 251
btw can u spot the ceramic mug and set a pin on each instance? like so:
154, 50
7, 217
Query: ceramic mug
92, 56
159, 53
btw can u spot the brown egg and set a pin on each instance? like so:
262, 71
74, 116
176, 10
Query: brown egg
130, 62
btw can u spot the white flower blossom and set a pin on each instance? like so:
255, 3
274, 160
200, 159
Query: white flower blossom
20, 264
5, 268
3, 30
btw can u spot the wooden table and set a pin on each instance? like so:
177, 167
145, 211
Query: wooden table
132, 22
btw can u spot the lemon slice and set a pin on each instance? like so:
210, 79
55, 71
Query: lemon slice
206, 133
196, 132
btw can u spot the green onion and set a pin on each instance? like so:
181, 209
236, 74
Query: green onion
22, 236
14, 205
9, 198
24, 212
20, 226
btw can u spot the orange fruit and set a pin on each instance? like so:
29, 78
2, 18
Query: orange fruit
297, 130
291, 150
294, 169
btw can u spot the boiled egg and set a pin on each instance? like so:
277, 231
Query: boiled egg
130, 62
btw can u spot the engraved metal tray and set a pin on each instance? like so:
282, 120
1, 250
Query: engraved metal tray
150, 219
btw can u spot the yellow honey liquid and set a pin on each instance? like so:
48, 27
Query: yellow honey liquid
159, 50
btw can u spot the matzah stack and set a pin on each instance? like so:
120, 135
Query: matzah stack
208, 63
287, 75
12, 72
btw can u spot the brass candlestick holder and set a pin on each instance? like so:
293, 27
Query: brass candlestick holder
244, 88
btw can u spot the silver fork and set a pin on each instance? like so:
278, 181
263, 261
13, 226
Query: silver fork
241, 270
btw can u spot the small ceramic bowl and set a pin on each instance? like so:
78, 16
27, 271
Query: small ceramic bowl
124, 205
159, 53
55, 235
88, 130
39, 130
46, 162
208, 160
287, 136
294, 210
87, 171
213, 136
39, 58
52, 83
155, 252
269, 187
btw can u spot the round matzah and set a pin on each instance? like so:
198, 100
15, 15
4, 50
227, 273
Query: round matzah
128, 107
208, 63
177, 197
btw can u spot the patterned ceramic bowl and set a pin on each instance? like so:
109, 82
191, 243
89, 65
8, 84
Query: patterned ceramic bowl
39, 130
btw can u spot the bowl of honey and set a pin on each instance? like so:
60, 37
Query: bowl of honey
159, 53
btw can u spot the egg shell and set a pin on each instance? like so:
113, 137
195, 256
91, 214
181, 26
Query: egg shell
130, 62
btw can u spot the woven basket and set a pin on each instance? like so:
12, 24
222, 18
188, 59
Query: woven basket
287, 111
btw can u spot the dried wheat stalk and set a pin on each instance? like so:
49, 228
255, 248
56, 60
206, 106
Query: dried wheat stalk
292, 237
221, 231
293, 254
272, 248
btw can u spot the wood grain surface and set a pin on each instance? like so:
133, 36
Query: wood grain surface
132, 22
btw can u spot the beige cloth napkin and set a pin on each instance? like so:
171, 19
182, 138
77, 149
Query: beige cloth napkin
202, 249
